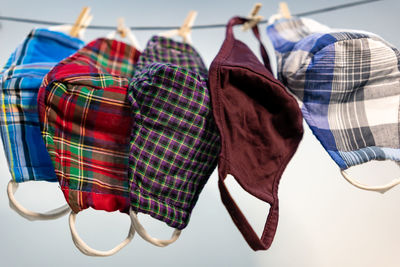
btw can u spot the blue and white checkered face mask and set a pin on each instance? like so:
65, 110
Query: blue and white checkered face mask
348, 86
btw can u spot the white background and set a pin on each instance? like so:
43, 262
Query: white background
324, 221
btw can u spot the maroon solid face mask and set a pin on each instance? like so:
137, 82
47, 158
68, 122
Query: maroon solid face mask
260, 126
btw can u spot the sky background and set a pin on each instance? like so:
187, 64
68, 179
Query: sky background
324, 221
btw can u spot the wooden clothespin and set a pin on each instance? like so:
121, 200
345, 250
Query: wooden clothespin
185, 30
125, 32
254, 19
85, 24
121, 28
81, 22
284, 10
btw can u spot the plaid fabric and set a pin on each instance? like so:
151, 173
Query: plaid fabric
20, 80
174, 143
86, 122
165, 50
348, 83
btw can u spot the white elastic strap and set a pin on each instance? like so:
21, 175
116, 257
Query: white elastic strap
274, 18
60, 28
169, 34
133, 40
85, 249
131, 37
30, 215
187, 38
111, 35
381, 189
65, 28
143, 233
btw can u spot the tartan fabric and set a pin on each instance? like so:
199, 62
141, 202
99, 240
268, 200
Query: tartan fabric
348, 84
166, 50
174, 142
20, 80
86, 122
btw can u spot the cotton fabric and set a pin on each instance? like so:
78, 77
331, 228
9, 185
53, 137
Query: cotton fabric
166, 50
260, 125
174, 141
348, 86
86, 122
20, 80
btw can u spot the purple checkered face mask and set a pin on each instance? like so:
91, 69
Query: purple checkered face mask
174, 145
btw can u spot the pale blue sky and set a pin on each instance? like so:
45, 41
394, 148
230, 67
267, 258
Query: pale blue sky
323, 220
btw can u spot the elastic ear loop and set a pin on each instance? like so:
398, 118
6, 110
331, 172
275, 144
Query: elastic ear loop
30, 215
85, 249
273, 18
171, 33
66, 28
271, 224
381, 189
244, 226
239, 21
131, 37
143, 233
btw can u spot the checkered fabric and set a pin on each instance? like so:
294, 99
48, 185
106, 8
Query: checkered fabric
166, 50
174, 142
20, 80
348, 83
86, 123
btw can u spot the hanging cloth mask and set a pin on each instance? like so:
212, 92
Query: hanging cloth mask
348, 83
27, 157
166, 50
260, 126
85, 119
174, 142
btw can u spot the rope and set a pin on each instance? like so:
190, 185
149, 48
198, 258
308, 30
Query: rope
195, 27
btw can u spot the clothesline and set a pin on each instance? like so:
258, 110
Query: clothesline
205, 26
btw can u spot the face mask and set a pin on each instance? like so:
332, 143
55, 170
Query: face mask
166, 50
20, 80
260, 126
86, 121
174, 142
348, 84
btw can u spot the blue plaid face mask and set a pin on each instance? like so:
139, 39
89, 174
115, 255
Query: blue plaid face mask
347, 83
20, 80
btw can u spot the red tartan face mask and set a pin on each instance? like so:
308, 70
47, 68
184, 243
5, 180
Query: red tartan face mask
260, 126
86, 120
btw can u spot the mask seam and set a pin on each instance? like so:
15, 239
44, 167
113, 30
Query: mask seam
218, 83
86, 191
283, 164
90, 205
